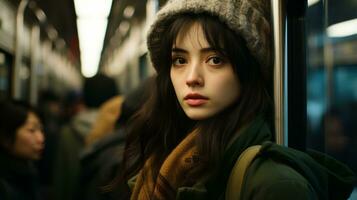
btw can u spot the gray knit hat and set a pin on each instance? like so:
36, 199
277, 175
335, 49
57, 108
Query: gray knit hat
249, 18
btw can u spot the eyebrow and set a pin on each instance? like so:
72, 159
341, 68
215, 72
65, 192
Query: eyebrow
181, 50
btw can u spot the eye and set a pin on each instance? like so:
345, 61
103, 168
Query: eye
215, 60
176, 61
31, 130
35, 128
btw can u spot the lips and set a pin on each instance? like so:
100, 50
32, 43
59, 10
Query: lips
40, 150
195, 99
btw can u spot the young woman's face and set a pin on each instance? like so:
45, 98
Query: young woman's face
204, 81
29, 139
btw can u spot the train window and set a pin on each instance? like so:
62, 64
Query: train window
24, 74
4, 75
332, 79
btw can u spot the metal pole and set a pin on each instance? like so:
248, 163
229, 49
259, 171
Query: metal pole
35, 41
278, 19
15, 90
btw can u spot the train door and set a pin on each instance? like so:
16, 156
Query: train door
318, 75
331, 79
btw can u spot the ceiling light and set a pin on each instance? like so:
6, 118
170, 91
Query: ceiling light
41, 16
312, 2
128, 11
92, 8
52, 33
343, 29
92, 20
91, 36
124, 27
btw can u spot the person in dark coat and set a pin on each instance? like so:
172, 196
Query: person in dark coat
21, 143
101, 160
96, 90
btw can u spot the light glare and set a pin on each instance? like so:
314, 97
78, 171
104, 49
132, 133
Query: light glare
92, 19
91, 36
91, 33
312, 2
92, 8
90, 62
128, 11
343, 29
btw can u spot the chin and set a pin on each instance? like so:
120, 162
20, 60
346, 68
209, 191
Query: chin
35, 157
198, 116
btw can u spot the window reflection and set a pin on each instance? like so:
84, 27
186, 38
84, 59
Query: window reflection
332, 81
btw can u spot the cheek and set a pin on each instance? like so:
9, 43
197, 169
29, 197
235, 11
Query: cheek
172, 78
22, 142
175, 81
228, 89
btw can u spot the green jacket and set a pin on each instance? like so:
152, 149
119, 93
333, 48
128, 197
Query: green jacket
67, 165
285, 173
277, 172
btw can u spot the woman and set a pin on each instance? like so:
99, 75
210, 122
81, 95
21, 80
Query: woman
211, 101
21, 142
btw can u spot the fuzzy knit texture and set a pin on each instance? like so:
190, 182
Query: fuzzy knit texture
249, 18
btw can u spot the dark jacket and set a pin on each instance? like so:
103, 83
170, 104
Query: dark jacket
18, 179
66, 162
281, 173
99, 166
277, 172
285, 173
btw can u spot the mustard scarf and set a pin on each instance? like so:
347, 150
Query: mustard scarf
181, 160
171, 174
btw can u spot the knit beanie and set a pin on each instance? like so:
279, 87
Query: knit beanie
248, 18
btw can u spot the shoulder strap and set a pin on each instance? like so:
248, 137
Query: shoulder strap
235, 180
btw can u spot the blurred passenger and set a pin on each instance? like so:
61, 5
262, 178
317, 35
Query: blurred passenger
212, 100
96, 91
337, 134
103, 154
21, 142
50, 107
107, 116
72, 105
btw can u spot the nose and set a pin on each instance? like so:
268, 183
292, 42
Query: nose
40, 137
194, 75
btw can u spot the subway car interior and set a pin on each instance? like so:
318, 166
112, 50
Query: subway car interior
49, 48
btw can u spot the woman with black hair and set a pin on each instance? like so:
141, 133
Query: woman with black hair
21, 143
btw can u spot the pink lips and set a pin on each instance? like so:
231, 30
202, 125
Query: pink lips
195, 99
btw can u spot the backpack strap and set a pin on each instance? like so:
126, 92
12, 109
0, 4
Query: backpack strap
235, 180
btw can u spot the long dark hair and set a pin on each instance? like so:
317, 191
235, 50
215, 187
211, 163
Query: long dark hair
13, 114
161, 123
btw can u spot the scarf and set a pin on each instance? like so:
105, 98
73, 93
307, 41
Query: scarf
172, 173
174, 170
